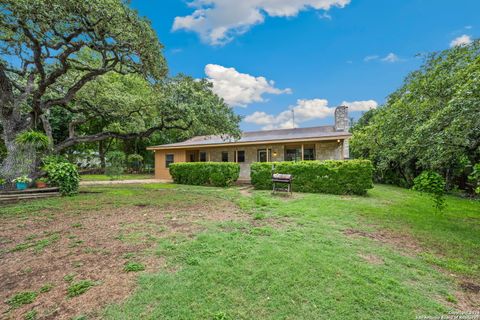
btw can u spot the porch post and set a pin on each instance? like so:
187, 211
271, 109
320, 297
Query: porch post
302, 151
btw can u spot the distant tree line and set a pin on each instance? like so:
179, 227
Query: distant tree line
431, 123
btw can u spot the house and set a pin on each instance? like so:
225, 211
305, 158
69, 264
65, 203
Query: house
314, 143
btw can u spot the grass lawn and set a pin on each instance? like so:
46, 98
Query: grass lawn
162, 251
103, 177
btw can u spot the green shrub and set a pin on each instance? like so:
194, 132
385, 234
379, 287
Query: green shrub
36, 139
134, 161
433, 184
62, 174
330, 176
474, 178
115, 164
219, 174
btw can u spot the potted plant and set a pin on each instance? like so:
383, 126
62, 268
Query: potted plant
22, 182
41, 183
2, 183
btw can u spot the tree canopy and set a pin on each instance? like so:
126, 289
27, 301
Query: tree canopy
85, 71
431, 123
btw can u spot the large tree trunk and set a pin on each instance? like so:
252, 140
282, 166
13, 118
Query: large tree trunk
20, 160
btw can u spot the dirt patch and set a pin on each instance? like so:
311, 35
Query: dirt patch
468, 297
402, 241
372, 259
54, 248
246, 191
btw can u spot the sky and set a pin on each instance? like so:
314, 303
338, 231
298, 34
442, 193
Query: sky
268, 57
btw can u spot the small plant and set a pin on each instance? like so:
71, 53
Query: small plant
80, 287
133, 267
31, 315
46, 288
433, 184
2, 181
22, 298
35, 139
22, 179
115, 164
69, 277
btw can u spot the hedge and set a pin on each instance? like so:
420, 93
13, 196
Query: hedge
330, 176
219, 174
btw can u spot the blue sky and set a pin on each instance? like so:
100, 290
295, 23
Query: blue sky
266, 57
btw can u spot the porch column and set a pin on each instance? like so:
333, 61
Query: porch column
302, 151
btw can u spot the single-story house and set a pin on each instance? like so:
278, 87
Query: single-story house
314, 143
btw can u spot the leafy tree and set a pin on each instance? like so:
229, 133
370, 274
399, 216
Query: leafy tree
433, 184
431, 123
41, 65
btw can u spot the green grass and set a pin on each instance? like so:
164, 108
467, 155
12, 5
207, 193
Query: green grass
292, 258
132, 266
79, 287
22, 298
103, 177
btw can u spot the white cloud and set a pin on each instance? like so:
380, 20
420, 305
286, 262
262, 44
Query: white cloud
240, 89
218, 21
391, 57
370, 58
305, 110
468, 27
360, 105
461, 41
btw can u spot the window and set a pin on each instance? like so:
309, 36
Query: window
224, 156
262, 155
192, 157
293, 154
309, 154
240, 156
203, 156
168, 160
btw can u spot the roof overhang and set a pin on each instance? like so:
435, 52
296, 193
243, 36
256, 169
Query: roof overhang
343, 136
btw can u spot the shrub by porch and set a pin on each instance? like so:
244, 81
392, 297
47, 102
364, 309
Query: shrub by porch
330, 176
219, 174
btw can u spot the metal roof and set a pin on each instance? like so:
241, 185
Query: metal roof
321, 132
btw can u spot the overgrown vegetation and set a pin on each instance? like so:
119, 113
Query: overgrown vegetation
331, 176
219, 174
431, 123
132, 266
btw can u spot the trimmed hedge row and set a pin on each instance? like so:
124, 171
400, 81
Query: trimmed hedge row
219, 174
330, 176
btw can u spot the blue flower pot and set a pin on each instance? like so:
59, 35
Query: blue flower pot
21, 185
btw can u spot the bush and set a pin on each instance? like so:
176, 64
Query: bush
474, 178
330, 176
115, 164
134, 161
219, 174
433, 184
62, 174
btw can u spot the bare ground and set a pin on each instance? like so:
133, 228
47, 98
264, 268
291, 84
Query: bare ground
91, 245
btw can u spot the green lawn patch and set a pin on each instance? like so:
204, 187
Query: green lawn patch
103, 177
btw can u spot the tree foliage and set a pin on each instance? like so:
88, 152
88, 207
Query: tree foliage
431, 123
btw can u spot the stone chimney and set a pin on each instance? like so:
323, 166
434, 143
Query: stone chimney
342, 122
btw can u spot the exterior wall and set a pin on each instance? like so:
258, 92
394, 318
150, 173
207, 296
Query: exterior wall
161, 172
324, 150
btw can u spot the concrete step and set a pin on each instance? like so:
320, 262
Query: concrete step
11, 198
31, 190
